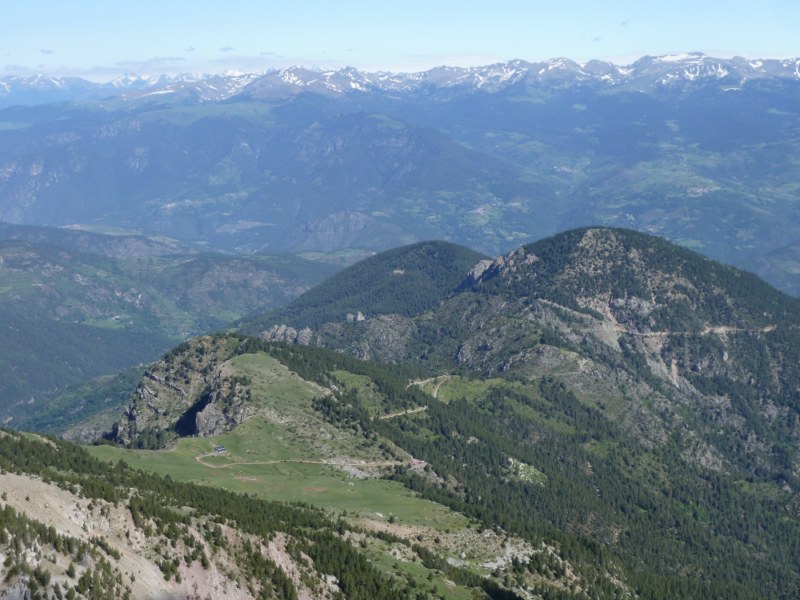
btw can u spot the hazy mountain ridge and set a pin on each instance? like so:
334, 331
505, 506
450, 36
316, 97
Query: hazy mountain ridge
644, 74
88, 242
43, 89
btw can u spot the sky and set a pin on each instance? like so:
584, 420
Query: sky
99, 40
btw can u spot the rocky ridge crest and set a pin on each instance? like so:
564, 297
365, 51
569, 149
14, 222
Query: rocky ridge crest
189, 389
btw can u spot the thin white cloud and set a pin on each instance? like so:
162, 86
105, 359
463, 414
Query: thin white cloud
150, 63
48, 51
16, 69
239, 62
422, 62
226, 49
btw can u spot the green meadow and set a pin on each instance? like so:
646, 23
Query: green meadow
289, 453
276, 473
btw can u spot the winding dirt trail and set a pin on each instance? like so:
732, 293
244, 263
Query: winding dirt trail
718, 329
439, 379
401, 413
385, 463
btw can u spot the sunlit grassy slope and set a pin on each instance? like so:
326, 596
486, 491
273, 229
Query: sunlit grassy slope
290, 453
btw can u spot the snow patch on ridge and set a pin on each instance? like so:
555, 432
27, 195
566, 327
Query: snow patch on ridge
675, 58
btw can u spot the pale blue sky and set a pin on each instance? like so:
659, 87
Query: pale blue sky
101, 39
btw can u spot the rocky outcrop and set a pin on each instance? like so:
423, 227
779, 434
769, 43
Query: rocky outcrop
170, 389
288, 335
226, 407
479, 269
506, 265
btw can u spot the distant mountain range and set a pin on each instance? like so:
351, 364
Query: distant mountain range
701, 150
643, 75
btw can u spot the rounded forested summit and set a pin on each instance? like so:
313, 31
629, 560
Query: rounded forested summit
405, 281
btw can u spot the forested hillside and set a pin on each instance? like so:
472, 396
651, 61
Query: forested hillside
631, 360
78, 305
408, 280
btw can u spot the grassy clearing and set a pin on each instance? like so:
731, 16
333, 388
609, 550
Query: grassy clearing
455, 387
403, 564
273, 385
364, 388
11, 125
599, 449
525, 472
118, 322
290, 427
347, 256
321, 485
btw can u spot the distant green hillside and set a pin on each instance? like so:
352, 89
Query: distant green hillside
70, 315
405, 281
117, 245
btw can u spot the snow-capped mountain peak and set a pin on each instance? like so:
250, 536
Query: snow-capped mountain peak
648, 73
